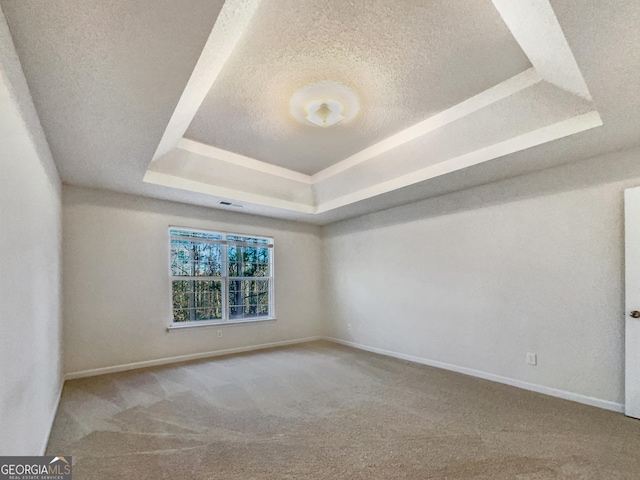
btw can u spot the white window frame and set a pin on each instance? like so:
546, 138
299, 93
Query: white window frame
225, 279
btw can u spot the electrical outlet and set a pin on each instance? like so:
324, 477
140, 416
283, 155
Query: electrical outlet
219, 333
348, 326
532, 358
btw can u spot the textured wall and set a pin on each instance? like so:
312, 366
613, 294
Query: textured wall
117, 301
476, 279
30, 238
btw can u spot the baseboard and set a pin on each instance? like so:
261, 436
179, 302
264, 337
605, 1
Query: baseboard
554, 392
184, 358
43, 450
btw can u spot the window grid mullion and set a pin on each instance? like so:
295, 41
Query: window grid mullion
225, 272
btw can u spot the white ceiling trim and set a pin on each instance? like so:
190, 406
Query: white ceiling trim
182, 183
539, 136
482, 100
531, 139
230, 25
237, 159
501, 91
536, 29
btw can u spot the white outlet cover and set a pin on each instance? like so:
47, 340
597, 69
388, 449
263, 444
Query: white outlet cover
532, 358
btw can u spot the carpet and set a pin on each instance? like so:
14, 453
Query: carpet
325, 411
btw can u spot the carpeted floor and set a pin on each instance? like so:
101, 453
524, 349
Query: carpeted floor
323, 411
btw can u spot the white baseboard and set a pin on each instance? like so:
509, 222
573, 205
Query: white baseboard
43, 450
184, 358
554, 392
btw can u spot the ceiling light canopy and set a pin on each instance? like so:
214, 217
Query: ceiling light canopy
324, 113
324, 104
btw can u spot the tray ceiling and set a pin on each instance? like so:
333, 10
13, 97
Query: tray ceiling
439, 86
200, 101
405, 61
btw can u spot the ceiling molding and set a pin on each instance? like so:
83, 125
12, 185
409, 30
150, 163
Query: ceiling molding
501, 91
182, 183
531, 139
569, 126
237, 159
535, 27
484, 99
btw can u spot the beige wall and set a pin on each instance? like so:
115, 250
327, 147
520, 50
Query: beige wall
30, 238
117, 301
472, 280
477, 279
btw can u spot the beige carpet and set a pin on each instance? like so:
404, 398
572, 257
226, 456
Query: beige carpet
322, 411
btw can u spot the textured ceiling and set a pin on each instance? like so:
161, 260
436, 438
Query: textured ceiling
106, 77
406, 60
547, 101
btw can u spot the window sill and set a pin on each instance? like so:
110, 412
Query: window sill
215, 323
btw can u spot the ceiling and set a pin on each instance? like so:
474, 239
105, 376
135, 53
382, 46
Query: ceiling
396, 68
204, 101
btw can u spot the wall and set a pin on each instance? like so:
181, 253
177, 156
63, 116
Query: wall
474, 280
117, 290
30, 239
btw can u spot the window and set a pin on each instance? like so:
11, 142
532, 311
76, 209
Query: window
220, 277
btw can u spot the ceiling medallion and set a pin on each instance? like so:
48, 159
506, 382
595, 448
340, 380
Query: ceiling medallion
324, 104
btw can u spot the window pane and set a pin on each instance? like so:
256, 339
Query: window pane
255, 270
195, 300
208, 259
242, 239
180, 301
195, 259
180, 258
248, 298
249, 269
248, 261
263, 255
249, 254
263, 298
232, 255
189, 234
